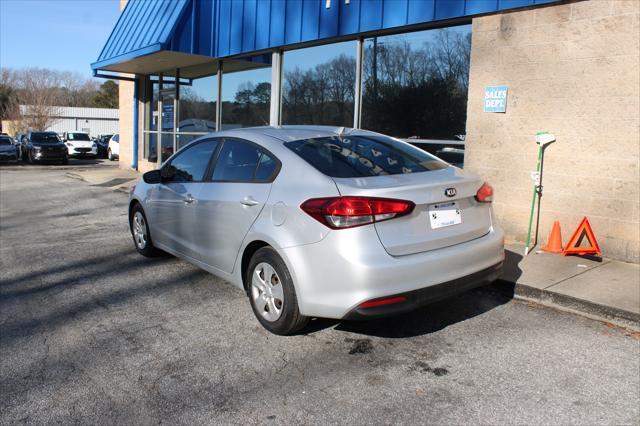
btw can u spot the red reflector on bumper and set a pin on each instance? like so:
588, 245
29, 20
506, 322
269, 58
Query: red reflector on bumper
381, 302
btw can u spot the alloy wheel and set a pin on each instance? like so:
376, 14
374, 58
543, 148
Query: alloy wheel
140, 230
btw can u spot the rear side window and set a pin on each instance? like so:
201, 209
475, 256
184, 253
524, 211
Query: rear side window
362, 156
244, 162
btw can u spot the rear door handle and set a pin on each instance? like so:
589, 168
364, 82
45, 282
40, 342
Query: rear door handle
188, 199
249, 201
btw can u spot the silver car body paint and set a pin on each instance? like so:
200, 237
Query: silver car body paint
333, 271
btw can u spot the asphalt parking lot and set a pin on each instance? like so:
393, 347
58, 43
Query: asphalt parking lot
91, 332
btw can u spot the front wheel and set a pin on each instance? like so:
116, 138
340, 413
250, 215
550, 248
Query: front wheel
140, 232
110, 156
272, 294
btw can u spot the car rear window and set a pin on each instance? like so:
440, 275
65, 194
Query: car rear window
362, 156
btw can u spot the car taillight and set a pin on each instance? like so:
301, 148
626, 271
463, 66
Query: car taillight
348, 212
485, 193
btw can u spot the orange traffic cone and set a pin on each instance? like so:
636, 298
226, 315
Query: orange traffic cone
554, 244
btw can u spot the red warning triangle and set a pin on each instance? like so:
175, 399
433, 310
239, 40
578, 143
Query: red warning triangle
584, 230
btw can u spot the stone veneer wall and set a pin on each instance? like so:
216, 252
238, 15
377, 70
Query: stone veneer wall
573, 70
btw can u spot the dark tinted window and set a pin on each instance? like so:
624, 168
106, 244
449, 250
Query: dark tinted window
361, 156
116, 138
5, 140
191, 164
44, 137
237, 162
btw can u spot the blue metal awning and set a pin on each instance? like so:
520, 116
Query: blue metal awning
158, 35
144, 27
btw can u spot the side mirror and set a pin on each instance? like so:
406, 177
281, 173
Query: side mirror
154, 176
167, 173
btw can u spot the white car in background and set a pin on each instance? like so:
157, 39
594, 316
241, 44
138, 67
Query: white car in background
80, 144
113, 152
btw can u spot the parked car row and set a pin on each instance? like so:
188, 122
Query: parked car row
49, 146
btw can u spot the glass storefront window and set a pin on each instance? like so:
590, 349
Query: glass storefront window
319, 85
246, 98
197, 112
415, 84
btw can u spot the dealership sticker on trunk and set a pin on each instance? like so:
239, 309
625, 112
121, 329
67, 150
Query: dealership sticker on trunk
445, 214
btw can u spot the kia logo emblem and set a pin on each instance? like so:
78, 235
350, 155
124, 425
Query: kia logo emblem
450, 192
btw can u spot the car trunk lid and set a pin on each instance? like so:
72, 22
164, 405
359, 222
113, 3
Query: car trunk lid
421, 231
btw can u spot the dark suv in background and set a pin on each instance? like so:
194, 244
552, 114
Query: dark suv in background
103, 145
44, 146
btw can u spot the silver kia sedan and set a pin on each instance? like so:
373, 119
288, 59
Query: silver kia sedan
315, 221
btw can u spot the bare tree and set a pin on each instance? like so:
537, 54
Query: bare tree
37, 98
31, 97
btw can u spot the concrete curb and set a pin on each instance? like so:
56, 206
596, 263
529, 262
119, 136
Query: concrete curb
574, 305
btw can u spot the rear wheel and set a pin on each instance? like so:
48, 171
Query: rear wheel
140, 232
272, 294
110, 156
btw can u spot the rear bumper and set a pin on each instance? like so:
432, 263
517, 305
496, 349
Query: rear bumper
348, 267
424, 296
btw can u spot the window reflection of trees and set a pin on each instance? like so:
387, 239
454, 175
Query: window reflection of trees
413, 85
196, 113
419, 90
321, 95
250, 106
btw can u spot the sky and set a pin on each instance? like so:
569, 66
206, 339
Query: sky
65, 35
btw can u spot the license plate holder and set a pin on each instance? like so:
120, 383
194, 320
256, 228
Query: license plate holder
445, 214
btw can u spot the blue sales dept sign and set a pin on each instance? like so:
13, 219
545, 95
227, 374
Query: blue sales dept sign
495, 99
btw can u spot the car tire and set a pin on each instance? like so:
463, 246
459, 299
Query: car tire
272, 294
64, 162
110, 156
140, 232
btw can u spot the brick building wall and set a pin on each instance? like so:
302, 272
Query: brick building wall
573, 70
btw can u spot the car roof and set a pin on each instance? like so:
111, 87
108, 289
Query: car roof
289, 133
